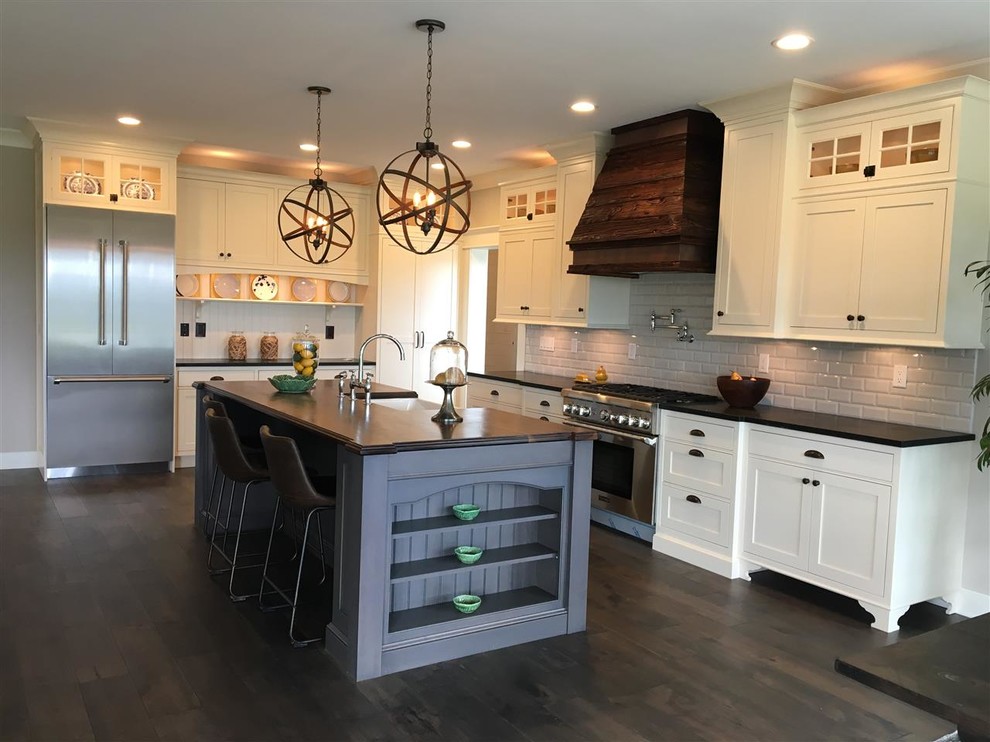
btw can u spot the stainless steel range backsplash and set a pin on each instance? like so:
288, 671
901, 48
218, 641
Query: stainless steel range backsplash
843, 379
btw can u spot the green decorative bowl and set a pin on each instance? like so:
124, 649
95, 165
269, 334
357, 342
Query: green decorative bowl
467, 603
292, 384
468, 554
466, 511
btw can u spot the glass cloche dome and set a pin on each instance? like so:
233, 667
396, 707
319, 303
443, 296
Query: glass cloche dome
448, 370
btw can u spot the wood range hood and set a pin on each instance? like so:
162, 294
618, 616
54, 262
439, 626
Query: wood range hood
654, 206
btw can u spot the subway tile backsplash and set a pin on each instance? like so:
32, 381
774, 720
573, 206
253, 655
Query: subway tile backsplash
843, 379
254, 318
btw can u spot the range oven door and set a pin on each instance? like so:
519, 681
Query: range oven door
623, 473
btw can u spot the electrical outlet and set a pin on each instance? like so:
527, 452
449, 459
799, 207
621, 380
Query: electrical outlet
201, 329
329, 333
764, 363
546, 342
184, 329
631, 351
574, 344
900, 377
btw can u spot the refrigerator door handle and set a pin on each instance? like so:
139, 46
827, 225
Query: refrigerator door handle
102, 336
164, 379
126, 249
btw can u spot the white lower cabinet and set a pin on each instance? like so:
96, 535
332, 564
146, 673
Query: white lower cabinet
881, 524
497, 395
543, 404
697, 503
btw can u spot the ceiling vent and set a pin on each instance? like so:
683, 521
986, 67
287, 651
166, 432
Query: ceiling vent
654, 206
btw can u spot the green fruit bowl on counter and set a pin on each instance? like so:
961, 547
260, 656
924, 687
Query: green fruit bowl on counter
468, 554
292, 384
465, 511
467, 603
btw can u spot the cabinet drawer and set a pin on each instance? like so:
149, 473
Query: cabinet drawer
699, 469
704, 517
481, 392
699, 431
824, 455
541, 403
188, 376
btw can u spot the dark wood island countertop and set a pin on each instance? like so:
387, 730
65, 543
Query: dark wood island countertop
390, 425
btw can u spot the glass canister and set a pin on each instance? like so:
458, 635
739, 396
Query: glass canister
448, 370
237, 346
305, 353
269, 346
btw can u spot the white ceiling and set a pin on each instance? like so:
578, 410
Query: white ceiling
231, 75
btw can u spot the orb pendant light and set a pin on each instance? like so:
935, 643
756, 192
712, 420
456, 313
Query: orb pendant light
316, 223
424, 200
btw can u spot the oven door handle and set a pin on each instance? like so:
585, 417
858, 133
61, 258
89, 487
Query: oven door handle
616, 433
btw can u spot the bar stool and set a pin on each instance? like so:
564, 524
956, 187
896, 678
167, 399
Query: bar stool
295, 490
235, 467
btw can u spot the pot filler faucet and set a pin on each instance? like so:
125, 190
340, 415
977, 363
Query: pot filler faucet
362, 381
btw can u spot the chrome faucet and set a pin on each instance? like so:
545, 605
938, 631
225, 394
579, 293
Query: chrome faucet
362, 382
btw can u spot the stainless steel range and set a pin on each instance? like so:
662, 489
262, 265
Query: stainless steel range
624, 466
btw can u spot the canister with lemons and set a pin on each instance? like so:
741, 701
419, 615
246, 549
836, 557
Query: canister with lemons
305, 353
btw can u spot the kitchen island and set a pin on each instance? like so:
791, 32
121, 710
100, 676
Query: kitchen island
397, 475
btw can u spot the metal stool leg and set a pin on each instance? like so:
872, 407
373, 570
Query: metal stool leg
319, 534
295, 597
237, 545
216, 524
268, 557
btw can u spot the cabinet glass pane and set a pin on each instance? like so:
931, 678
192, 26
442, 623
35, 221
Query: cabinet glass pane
847, 164
926, 132
924, 153
820, 167
895, 137
140, 182
823, 149
848, 145
893, 157
81, 175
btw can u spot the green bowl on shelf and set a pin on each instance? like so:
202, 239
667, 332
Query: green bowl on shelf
292, 384
467, 603
465, 511
468, 554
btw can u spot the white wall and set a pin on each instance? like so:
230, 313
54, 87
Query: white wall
18, 314
834, 378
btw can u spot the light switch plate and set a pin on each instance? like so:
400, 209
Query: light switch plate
546, 342
900, 377
574, 345
632, 351
764, 363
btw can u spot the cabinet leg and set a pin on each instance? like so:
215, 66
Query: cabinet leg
884, 619
747, 568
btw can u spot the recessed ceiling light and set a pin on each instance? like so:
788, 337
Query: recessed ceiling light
461, 143
437, 166
792, 42
129, 120
583, 106
307, 147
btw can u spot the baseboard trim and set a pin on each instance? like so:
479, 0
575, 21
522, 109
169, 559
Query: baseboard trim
20, 460
971, 603
699, 556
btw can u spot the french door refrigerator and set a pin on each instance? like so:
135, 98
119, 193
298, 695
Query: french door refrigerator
109, 341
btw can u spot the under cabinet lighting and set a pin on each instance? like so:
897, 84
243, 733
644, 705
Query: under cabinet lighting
583, 106
307, 147
460, 143
129, 120
792, 42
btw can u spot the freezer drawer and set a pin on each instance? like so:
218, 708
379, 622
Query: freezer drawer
105, 421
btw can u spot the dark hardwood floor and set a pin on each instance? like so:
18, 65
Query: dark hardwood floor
110, 628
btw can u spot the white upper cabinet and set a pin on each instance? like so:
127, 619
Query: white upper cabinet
912, 144
199, 221
527, 259
529, 202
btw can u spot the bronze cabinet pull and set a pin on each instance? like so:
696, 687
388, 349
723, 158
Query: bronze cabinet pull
693, 498
697, 433
696, 452
813, 454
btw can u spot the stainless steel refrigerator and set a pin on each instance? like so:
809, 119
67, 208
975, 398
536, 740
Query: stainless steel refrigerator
109, 341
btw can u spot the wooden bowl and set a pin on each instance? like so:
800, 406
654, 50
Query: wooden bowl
743, 393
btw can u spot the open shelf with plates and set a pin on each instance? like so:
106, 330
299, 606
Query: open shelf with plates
267, 288
519, 531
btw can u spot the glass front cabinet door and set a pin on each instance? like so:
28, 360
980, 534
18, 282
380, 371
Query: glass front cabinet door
135, 182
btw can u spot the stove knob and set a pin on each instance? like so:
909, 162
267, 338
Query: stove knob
604, 416
566, 408
584, 411
644, 422
612, 418
622, 420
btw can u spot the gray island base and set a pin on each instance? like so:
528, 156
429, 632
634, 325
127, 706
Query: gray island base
397, 476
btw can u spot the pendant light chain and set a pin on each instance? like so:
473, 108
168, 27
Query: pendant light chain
318, 172
428, 130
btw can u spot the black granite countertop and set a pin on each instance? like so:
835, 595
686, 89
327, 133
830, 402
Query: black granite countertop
852, 428
259, 362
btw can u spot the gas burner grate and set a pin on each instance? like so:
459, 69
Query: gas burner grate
647, 393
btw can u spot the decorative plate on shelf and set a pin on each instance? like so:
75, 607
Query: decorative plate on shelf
227, 286
137, 188
303, 289
187, 284
79, 182
338, 291
264, 287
